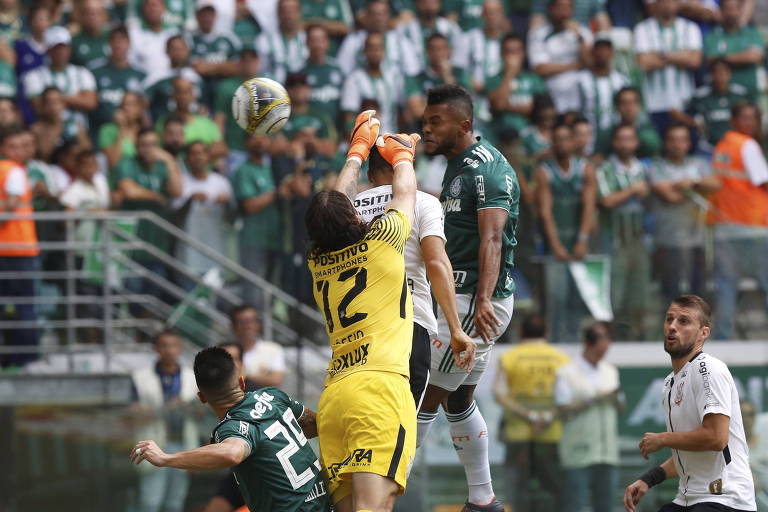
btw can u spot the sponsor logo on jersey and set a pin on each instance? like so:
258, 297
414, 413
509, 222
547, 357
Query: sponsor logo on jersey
358, 458
341, 256
480, 186
262, 405
349, 339
452, 204
373, 200
243, 428
317, 490
355, 357
471, 162
709, 399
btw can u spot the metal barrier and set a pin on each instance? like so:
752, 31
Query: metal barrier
199, 308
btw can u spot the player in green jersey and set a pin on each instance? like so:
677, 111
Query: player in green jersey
262, 436
481, 198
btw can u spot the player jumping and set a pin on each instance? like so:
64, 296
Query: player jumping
480, 200
262, 437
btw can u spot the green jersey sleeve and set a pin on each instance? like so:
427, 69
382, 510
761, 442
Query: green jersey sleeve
494, 187
235, 428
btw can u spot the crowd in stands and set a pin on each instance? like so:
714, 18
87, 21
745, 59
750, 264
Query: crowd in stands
634, 128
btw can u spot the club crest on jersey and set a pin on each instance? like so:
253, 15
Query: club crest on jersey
455, 188
679, 393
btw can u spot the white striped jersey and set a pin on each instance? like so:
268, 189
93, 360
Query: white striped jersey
388, 89
596, 96
280, 56
72, 80
397, 53
417, 35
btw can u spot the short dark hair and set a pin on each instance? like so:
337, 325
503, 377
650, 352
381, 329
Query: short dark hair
174, 38
513, 37
560, 124
533, 326
10, 132
119, 30
676, 125
237, 310
436, 35
603, 41
238, 348
48, 90
162, 334
294, 79
592, 332
332, 223
578, 118
540, 102
316, 26
697, 303
195, 142
145, 131
173, 117
453, 95
622, 126
742, 105
720, 61
624, 90
376, 162
214, 369
85, 153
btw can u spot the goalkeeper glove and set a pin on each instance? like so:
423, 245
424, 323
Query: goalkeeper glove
364, 135
398, 148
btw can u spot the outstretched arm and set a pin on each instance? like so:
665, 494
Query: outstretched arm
228, 453
363, 137
308, 423
399, 151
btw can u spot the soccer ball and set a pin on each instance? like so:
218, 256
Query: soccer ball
261, 106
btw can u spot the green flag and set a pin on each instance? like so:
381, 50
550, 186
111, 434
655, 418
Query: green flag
593, 279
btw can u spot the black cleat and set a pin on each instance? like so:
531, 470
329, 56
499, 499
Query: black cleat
494, 506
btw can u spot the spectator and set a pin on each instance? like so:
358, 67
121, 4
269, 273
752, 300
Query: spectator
75, 82
680, 182
566, 195
621, 190
18, 244
165, 395
149, 36
285, 50
173, 135
9, 113
668, 50
316, 126
739, 214
13, 22
56, 124
583, 137
203, 203
397, 51
234, 136
711, 105
427, 22
335, 16
114, 78
629, 109
325, 77
30, 49
470, 14
597, 88
537, 138
47, 180
263, 361
159, 87
245, 26
196, 126
484, 48
8, 84
524, 387
588, 395
89, 46
557, 50
590, 13
511, 92
438, 71
740, 45
257, 196
147, 182
375, 80
214, 53
118, 139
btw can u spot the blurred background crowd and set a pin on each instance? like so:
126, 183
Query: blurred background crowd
610, 112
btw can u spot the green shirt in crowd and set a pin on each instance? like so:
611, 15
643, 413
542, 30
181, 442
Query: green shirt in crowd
154, 178
649, 142
319, 122
198, 128
427, 79
108, 135
566, 191
326, 81
478, 178
89, 51
521, 92
714, 109
623, 224
261, 229
469, 12
8, 82
719, 42
111, 84
234, 136
281, 473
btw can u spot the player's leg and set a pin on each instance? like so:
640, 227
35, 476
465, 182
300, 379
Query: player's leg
419, 363
374, 493
433, 397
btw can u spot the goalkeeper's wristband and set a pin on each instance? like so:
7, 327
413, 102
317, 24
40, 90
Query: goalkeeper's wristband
654, 476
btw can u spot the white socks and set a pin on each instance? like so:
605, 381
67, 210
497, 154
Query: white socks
469, 434
424, 421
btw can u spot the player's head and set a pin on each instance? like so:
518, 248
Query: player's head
686, 325
168, 347
447, 117
624, 140
597, 340
217, 376
380, 172
236, 352
677, 141
745, 118
197, 157
533, 327
332, 223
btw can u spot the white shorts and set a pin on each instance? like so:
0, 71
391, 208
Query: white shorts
444, 372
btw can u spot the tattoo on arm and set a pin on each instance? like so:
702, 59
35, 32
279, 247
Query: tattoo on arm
308, 423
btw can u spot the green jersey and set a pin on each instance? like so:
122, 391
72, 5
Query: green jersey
714, 109
719, 42
326, 81
623, 224
7, 80
260, 229
521, 92
427, 79
282, 473
89, 51
247, 30
112, 83
178, 13
479, 178
319, 122
327, 10
566, 198
234, 136
468, 12
649, 142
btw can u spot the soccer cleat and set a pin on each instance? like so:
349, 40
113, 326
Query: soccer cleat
364, 135
493, 506
396, 148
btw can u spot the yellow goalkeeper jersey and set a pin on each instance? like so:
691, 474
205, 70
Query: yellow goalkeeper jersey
363, 295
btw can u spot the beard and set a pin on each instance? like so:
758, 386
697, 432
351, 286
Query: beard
444, 147
681, 349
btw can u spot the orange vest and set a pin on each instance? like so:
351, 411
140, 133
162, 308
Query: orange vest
738, 201
19, 231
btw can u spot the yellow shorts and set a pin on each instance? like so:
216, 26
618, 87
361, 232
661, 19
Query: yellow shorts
366, 423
